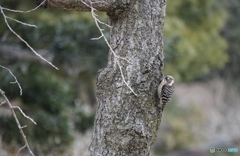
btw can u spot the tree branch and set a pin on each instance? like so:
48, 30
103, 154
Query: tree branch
100, 5
14, 53
19, 37
11, 107
118, 58
16, 81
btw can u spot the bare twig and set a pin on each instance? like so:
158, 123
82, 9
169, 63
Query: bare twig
97, 21
97, 38
19, 150
124, 79
24, 126
11, 107
16, 81
2, 103
10, 28
23, 23
19, 54
19, 11
117, 57
16, 107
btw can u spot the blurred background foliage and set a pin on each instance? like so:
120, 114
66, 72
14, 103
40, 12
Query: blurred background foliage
58, 101
193, 45
201, 40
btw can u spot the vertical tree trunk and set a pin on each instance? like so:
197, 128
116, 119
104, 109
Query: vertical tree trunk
127, 124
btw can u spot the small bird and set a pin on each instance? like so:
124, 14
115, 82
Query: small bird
165, 90
38, 2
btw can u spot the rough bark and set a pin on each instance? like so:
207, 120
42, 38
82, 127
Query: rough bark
100, 5
126, 124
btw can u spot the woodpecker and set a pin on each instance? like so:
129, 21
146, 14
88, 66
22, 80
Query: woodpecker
165, 90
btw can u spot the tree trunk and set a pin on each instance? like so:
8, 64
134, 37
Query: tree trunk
127, 124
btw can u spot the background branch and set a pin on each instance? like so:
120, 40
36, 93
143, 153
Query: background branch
16, 81
11, 107
11, 52
19, 37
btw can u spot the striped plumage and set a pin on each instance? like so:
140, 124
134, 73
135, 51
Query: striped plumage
165, 90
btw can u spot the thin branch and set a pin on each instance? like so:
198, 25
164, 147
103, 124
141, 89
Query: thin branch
19, 11
10, 28
16, 107
102, 22
19, 150
24, 126
16, 81
23, 23
2, 103
98, 38
96, 20
87, 5
118, 58
11, 107
17, 54
125, 80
